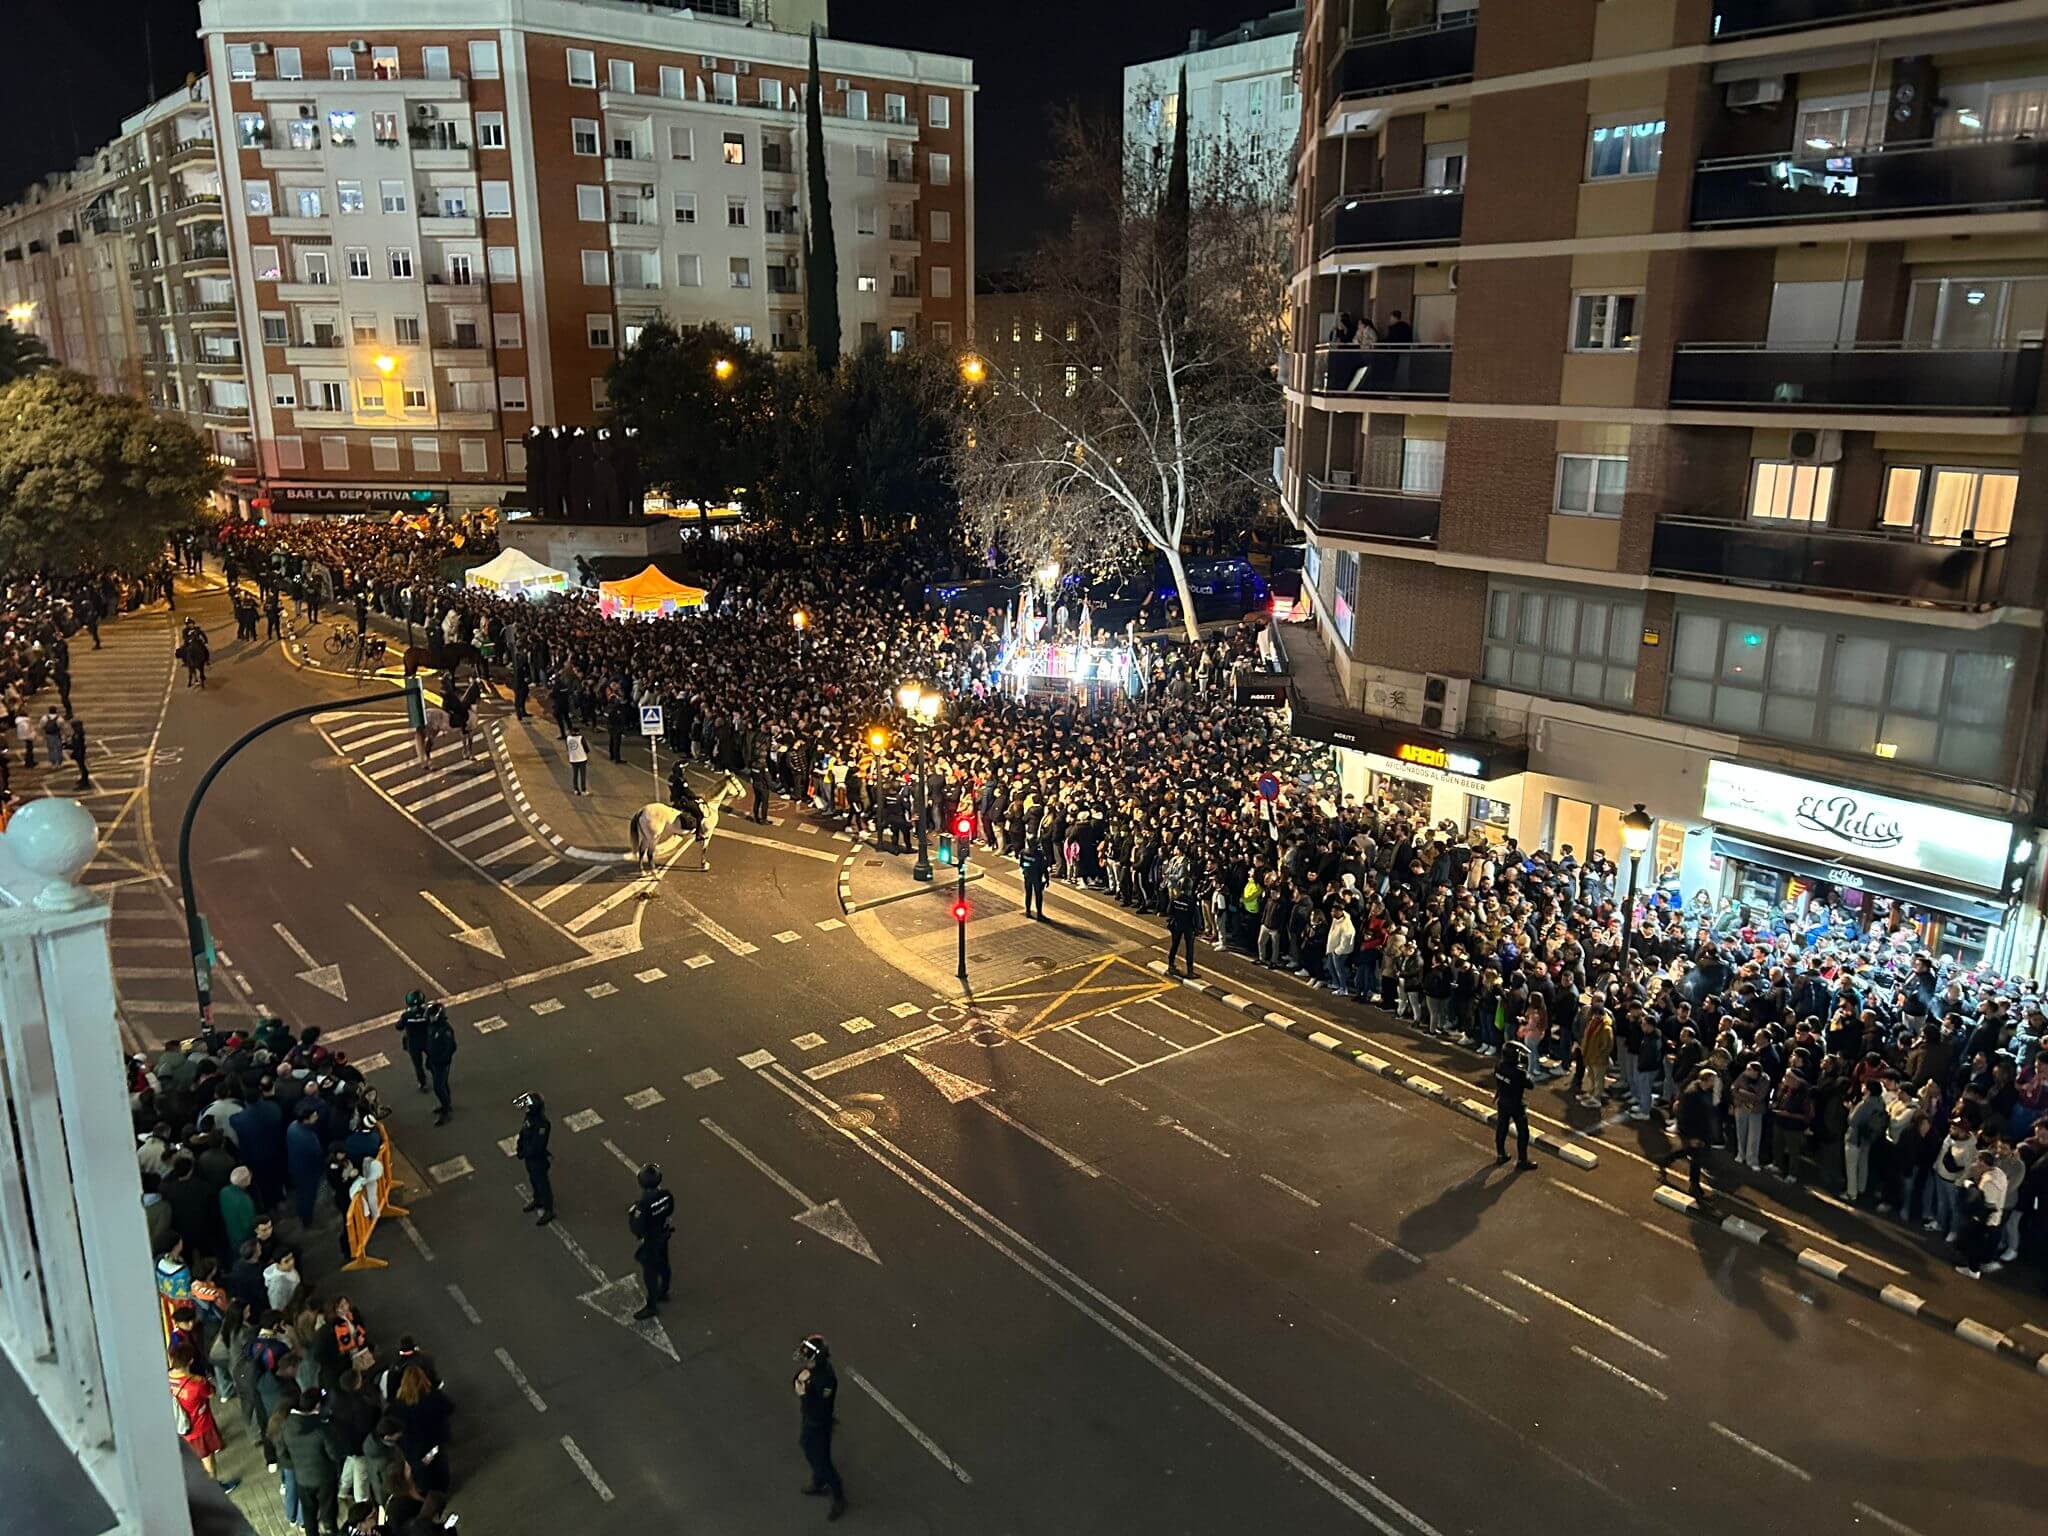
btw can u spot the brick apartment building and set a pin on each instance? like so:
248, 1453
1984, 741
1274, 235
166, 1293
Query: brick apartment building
1707, 473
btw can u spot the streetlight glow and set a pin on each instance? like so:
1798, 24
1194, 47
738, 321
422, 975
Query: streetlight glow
1049, 574
800, 619
386, 364
721, 369
21, 313
973, 369
1635, 829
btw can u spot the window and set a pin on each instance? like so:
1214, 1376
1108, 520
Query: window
474, 461
1604, 322
483, 61
597, 329
1072, 381
405, 329
384, 128
1998, 109
284, 390
434, 63
866, 160
302, 133
497, 199
682, 144
383, 453
894, 108
291, 452
256, 198
1625, 149
619, 74
391, 196
942, 288
582, 67
771, 94
348, 196
671, 82
288, 66
1950, 504
725, 88
469, 395
864, 219
938, 170
362, 330
275, 330
942, 227
341, 65
515, 457
426, 455
735, 149
356, 261
1589, 485
866, 283
686, 207
597, 269
600, 391
899, 338
502, 263
241, 61
334, 452
490, 130
511, 394
740, 272
341, 127
401, 261
736, 213
938, 111
942, 333
1443, 167
1563, 644
251, 131
1344, 594
1422, 466
326, 395
1791, 493
583, 135
689, 273
1843, 122
1977, 311
313, 266
304, 202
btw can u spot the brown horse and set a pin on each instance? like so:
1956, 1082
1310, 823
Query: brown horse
446, 658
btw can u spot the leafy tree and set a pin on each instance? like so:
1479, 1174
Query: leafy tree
800, 486
21, 354
821, 252
92, 479
899, 421
701, 401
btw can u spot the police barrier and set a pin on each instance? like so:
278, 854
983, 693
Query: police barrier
369, 1202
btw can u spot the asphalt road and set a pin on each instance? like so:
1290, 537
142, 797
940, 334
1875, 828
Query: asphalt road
1094, 1255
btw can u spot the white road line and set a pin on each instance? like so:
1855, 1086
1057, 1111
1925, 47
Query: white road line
1485, 1300
1082, 1034
494, 798
589, 915
555, 893
508, 819
613, 1147
1288, 1189
462, 1302
1756, 1450
308, 863
446, 794
1878, 1334
759, 1167
379, 756
419, 1243
1883, 1519
2032, 1329
1385, 1242
391, 944
1616, 1371
522, 841
589, 1472
545, 861
1584, 1316
1079, 1165
1579, 1194
911, 1041
1200, 1141
357, 729
909, 1428
403, 730
724, 937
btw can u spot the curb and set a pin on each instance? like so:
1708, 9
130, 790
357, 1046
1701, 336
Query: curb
1414, 1082
849, 906
502, 756
1897, 1297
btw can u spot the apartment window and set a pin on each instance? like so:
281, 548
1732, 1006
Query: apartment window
470, 395
1443, 167
597, 269
899, 338
341, 127
405, 329
474, 461
864, 219
938, 111
630, 335
736, 213
434, 63
583, 135
740, 272
313, 266
256, 198
384, 129
505, 330
894, 108
1950, 504
497, 199
241, 61
689, 273
304, 202
287, 61
490, 130
391, 196
942, 333
1604, 322
671, 82
600, 391
1562, 644
597, 329
291, 452
362, 329
682, 144
1422, 466
1343, 594
356, 261
1625, 149
348, 196
1590, 485
334, 452
857, 105
942, 288
301, 133
735, 149
327, 395
686, 207
866, 162
426, 455
619, 74
1977, 311
582, 67
401, 261
1843, 122
275, 329
384, 63
483, 61
1998, 109
1072, 381
771, 94
515, 457
251, 131
384, 453
1791, 493
942, 227
341, 65
938, 170
725, 88
512, 394
284, 390
502, 263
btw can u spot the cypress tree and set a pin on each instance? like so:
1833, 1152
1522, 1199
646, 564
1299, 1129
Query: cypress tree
821, 253
1175, 216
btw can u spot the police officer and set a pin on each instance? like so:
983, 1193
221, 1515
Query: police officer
817, 1391
1510, 1085
651, 1220
1031, 862
440, 1052
412, 1029
532, 1150
1181, 923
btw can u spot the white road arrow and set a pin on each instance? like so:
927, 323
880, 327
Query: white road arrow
957, 1088
828, 1218
326, 977
616, 1299
476, 937
951, 1084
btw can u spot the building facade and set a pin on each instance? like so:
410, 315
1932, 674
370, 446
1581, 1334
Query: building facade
1692, 458
1240, 90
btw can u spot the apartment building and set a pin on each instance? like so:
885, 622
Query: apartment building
1693, 457
1240, 89
451, 228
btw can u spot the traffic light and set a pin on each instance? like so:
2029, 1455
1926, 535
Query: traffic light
959, 911
963, 826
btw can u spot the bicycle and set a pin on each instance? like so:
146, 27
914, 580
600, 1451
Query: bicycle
341, 638
369, 656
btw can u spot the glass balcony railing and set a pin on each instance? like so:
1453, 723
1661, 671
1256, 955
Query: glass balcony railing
1989, 381
1740, 18
1389, 220
1798, 557
1973, 176
1365, 512
1418, 372
1401, 61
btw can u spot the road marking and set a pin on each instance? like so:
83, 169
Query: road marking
830, 923
1079, 1165
308, 863
462, 1302
602, 989
1756, 1450
379, 756
583, 1120
391, 944
1670, 1237
646, 1098
419, 1243
555, 893
2032, 1329
1288, 1189
1385, 1242
589, 1472
655, 973
896, 1010
909, 1428
494, 1022
619, 1153
508, 1145
589, 915
825, 1069
545, 861
1884, 1519
787, 936
808, 1042
547, 1005
1485, 1300
1077, 1031
724, 937
480, 833
758, 1165
451, 817
519, 1380
703, 1077
860, 1023
498, 853
1878, 1334
366, 741
1200, 1141
465, 787
1579, 1194
1584, 1316
453, 1169
1616, 1371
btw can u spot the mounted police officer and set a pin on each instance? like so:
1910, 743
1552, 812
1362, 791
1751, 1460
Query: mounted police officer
651, 1219
532, 1150
412, 1029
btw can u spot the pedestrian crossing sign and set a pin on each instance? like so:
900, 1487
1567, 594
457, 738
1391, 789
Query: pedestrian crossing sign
650, 720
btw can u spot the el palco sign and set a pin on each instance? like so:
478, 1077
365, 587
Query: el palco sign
1860, 825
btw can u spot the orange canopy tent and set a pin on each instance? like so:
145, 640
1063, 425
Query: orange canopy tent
646, 595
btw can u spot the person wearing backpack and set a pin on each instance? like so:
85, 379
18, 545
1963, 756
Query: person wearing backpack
192, 1404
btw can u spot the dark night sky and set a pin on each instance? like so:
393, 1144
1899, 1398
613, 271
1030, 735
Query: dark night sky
1026, 59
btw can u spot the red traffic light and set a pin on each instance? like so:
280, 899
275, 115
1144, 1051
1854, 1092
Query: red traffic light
963, 825
959, 911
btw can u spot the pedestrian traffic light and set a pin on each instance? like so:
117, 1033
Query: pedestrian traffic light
945, 853
959, 911
963, 825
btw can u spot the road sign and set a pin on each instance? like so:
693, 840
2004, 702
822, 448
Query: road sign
650, 720
1269, 787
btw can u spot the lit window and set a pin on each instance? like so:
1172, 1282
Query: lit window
348, 196
866, 283
1792, 493
341, 127
1625, 149
1604, 322
735, 149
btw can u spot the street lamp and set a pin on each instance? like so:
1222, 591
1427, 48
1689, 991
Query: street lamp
802, 621
21, 313
973, 369
1635, 837
386, 364
921, 706
721, 369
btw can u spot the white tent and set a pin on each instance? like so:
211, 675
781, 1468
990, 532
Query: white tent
514, 571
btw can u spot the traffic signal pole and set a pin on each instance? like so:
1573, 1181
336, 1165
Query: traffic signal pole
963, 840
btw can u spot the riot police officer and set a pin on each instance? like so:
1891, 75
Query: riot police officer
440, 1053
651, 1220
412, 1029
1511, 1079
532, 1150
817, 1391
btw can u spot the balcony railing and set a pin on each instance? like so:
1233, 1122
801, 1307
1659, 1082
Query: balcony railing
1419, 372
903, 288
1740, 18
1401, 61
1989, 381
1378, 220
1980, 177
1368, 512
1800, 558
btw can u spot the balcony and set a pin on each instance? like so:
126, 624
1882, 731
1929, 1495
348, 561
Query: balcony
197, 205
1406, 61
190, 149
206, 254
313, 352
312, 225
461, 354
1387, 514
1983, 177
453, 289
902, 287
304, 155
456, 420
1389, 220
1800, 558
1413, 372
1740, 18
449, 226
1990, 381
214, 410
306, 290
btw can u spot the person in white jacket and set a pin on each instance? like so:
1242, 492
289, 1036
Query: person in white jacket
1337, 948
1982, 1220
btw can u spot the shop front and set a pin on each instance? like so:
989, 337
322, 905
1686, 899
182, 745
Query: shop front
1473, 785
1807, 850
282, 502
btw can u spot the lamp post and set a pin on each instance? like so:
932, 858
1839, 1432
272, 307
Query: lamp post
1635, 837
921, 706
802, 621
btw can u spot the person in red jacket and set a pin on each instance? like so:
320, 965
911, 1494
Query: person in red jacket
193, 1395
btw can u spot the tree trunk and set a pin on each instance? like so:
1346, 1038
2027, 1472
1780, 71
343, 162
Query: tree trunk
1188, 623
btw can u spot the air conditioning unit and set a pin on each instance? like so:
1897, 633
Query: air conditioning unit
259, 48
1340, 479
357, 45
742, 67
1444, 701
426, 114
1766, 92
842, 85
1821, 446
708, 61
305, 111
647, 189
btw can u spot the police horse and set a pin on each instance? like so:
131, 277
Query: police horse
654, 824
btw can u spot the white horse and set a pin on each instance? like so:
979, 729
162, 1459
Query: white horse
654, 823
438, 724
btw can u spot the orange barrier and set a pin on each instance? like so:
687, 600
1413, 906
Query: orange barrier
371, 1204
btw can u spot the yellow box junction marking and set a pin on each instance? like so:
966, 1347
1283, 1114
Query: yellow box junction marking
1076, 992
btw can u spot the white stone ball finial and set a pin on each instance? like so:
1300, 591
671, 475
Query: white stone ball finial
55, 839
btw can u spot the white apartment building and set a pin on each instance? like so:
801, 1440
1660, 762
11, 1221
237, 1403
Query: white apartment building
1241, 90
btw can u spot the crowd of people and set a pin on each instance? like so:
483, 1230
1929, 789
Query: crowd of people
250, 1148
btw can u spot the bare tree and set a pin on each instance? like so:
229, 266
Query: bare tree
1165, 301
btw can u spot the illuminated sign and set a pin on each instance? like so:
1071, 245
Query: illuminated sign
1437, 757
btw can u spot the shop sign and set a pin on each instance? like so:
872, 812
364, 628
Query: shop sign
1419, 756
1429, 773
1859, 824
349, 498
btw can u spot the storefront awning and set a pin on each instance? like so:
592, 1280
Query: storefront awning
1488, 761
1940, 898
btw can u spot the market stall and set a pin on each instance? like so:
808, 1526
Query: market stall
513, 573
646, 595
